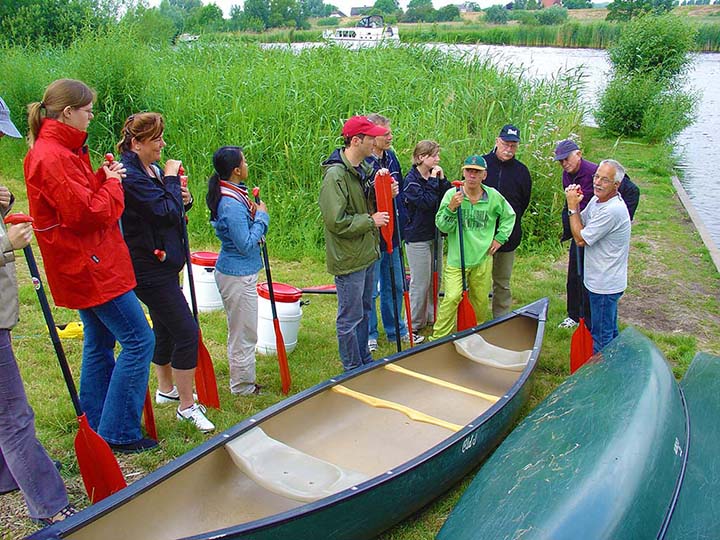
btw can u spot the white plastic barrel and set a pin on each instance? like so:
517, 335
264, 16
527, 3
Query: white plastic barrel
287, 303
206, 291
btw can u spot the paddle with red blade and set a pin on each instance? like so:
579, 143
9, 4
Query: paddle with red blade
384, 199
581, 344
406, 289
466, 314
205, 381
99, 469
285, 379
148, 413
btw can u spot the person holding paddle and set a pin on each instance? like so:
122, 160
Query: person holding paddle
482, 209
351, 234
76, 218
241, 224
24, 463
425, 186
153, 226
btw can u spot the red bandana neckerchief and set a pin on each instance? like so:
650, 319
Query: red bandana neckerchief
239, 193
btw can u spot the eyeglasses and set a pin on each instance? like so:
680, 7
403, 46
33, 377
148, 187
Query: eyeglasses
602, 179
89, 111
507, 144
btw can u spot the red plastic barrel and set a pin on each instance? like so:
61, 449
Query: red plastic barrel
283, 292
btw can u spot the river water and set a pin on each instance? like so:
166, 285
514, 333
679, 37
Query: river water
697, 148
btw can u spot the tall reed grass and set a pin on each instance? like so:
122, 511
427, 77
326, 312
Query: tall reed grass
595, 34
287, 108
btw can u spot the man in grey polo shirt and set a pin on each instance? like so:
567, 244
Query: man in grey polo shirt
603, 228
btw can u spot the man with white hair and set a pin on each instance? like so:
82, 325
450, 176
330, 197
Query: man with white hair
578, 170
603, 229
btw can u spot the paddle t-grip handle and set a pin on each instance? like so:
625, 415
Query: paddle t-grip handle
16, 219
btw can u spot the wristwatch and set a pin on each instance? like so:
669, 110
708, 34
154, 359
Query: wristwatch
572, 212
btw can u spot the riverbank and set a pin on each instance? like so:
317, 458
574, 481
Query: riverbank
673, 297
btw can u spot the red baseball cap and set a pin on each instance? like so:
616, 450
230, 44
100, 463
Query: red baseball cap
360, 125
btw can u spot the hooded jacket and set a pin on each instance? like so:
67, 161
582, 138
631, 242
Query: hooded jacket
351, 238
8, 282
512, 179
422, 199
153, 219
76, 216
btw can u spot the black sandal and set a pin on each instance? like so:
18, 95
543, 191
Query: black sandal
62, 515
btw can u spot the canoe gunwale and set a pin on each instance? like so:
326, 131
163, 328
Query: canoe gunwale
683, 468
536, 310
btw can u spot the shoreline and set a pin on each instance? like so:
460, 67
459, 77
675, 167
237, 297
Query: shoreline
697, 221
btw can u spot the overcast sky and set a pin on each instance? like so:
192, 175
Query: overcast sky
344, 5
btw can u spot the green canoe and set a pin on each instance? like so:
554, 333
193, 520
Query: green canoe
614, 453
345, 459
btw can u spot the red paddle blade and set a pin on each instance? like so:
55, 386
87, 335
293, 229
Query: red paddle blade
581, 346
99, 469
383, 194
205, 381
149, 416
466, 314
285, 379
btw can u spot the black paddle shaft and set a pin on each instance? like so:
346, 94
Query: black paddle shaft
188, 262
462, 246
50, 322
581, 285
266, 262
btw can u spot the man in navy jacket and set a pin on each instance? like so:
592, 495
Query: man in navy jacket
512, 179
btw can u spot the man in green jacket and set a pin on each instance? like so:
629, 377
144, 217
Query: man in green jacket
482, 208
351, 235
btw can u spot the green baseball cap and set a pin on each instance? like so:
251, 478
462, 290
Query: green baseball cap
475, 162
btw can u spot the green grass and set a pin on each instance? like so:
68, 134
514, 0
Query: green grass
286, 109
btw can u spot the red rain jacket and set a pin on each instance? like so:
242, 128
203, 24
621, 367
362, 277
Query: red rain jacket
76, 214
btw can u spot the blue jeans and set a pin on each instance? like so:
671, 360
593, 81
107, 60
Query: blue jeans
383, 288
112, 392
354, 294
24, 464
603, 313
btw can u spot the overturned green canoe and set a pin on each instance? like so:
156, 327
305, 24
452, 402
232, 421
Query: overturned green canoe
606, 456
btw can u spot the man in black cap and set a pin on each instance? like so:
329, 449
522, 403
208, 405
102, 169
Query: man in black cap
512, 179
579, 171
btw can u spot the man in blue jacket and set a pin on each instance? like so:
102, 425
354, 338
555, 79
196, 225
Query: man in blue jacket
512, 179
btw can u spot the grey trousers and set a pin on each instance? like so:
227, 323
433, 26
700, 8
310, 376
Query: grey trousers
239, 297
501, 272
420, 257
24, 463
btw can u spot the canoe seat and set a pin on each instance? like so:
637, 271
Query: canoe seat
287, 471
475, 348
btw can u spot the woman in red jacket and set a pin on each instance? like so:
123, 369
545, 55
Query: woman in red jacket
87, 263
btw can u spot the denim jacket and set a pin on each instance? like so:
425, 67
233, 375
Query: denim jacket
240, 236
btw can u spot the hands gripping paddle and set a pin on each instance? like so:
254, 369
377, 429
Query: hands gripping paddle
466, 314
285, 379
384, 198
205, 381
148, 413
99, 469
581, 344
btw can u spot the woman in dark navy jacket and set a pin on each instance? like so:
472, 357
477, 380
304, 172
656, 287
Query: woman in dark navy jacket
153, 224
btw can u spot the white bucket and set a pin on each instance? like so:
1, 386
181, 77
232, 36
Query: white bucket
289, 312
206, 291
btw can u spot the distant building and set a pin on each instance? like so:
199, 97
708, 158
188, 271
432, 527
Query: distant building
357, 11
337, 13
550, 3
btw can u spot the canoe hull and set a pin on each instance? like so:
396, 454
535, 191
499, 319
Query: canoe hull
408, 461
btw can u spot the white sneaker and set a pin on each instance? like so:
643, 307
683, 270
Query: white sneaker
568, 323
372, 345
196, 414
417, 338
173, 396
